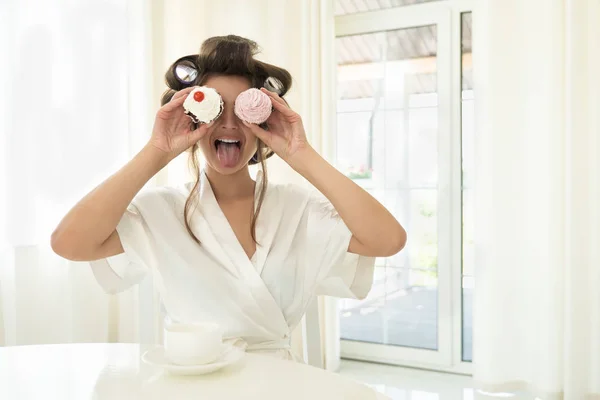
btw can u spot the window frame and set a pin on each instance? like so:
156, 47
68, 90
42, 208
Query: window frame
446, 15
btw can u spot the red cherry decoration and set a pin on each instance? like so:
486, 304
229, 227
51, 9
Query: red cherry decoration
199, 96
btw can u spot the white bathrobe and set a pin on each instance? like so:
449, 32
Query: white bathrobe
302, 253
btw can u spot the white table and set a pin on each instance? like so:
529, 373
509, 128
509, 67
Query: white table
115, 371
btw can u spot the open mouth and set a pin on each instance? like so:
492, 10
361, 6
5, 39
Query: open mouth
228, 152
227, 143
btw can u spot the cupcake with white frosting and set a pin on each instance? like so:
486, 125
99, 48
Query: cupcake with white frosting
203, 105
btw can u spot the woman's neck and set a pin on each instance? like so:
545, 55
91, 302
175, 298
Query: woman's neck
230, 187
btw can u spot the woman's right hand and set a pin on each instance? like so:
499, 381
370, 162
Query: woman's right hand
173, 130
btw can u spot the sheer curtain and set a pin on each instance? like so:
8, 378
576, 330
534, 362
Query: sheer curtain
76, 102
537, 300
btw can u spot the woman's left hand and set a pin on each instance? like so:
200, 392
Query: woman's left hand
286, 135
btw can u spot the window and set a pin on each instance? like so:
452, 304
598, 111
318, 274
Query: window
405, 133
387, 116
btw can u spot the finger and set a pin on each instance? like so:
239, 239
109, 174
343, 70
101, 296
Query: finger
184, 124
274, 96
259, 132
284, 109
199, 133
178, 99
275, 121
173, 105
183, 93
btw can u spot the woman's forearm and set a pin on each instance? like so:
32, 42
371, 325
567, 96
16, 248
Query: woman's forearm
375, 230
94, 218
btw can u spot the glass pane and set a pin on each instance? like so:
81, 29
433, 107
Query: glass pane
401, 309
468, 142
387, 128
468, 251
352, 147
343, 7
468, 283
422, 225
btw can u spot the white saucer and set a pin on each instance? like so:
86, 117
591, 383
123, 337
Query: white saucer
156, 357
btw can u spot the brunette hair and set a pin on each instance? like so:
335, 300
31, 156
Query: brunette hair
227, 55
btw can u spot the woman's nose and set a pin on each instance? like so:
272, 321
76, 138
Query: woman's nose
228, 119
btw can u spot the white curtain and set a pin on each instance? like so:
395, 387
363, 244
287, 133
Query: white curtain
537, 299
75, 105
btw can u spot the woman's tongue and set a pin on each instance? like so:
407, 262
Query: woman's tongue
228, 154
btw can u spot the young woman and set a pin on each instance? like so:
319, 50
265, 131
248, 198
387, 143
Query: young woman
246, 254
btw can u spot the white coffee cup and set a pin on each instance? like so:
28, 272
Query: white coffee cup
193, 343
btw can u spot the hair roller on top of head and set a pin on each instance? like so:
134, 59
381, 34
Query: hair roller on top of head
226, 55
183, 73
274, 85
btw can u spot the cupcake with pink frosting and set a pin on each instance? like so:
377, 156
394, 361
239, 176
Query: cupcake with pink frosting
253, 106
